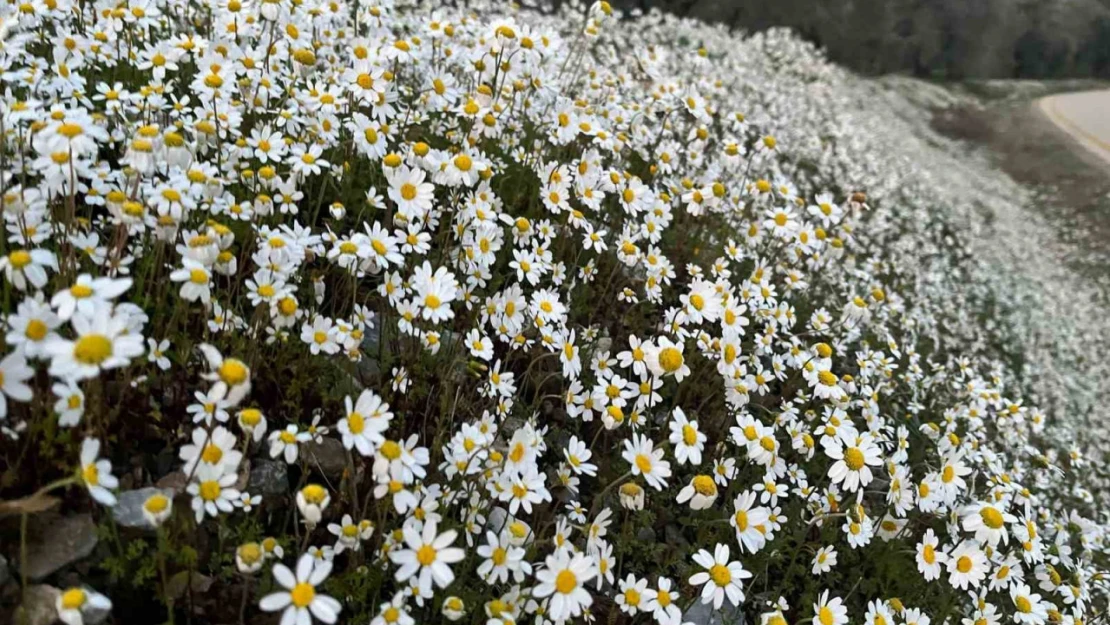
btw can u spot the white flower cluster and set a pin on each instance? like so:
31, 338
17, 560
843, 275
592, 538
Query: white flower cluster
622, 272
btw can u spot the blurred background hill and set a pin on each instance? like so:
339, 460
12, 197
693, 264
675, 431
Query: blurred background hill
937, 39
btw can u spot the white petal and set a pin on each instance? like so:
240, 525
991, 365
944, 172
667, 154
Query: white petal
275, 601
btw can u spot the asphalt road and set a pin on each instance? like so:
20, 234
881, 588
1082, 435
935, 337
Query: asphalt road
1084, 115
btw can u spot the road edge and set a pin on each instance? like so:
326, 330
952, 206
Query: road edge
1097, 149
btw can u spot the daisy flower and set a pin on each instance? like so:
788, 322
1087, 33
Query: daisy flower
365, 423
76, 604
701, 492
14, 373
213, 491
300, 600
97, 474
562, 578
929, 559
661, 603
824, 560
28, 267
854, 455
427, 554
720, 578
686, 438
1029, 608
830, 611
988, 523
665, 358
647, 461
967, 566
102, 341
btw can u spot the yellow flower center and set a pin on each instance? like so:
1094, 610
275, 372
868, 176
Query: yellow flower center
210, 490
426, 555
73, 599
156, 503
992, 518
355, 423
853, 457
92, 349
314, 493
250, 553
720, 574
408, 191
704, 485
742, 520
670, 359
303, 594
233, 372
1023, 605
391, 450
19, 259
36, 330
963, 565
566, 581
948, 474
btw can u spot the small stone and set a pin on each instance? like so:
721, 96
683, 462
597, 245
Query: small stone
268, 477
57, 542
328, 457
40, 606
674, 537
180, 583
604, 344
129, 511
704, 614
176, 481
645, 535
244, 475
5, 574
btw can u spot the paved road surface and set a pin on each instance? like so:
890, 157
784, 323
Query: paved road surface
1084, 115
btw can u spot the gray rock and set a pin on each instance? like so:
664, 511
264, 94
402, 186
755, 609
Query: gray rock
645, 535
673, 534
704, 614
371, 350
328, 457
5, 574
181, 582
268, 477
57, 542
40, 606
129, 511
176, 481
604, 344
